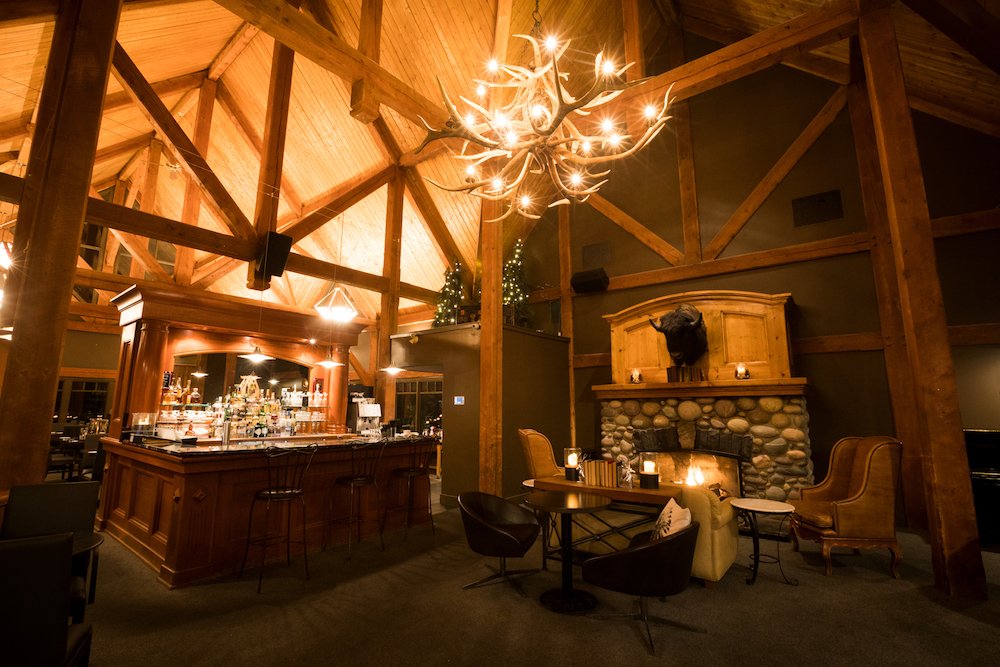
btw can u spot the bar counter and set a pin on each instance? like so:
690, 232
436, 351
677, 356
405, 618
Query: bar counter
184, 509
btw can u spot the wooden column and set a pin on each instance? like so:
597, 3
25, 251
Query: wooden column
491, 352
904, 403
73, 116
385, 384
336, 411
279, 96
566, 308
152, 356
958, 564
364, 98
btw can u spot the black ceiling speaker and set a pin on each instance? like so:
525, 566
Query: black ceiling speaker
273, 254
594, 280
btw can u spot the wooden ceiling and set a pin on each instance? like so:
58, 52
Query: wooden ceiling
337, 169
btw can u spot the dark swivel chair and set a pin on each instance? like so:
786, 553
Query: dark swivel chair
35, 594
365, 459
59, 507
647, 569
497, 527
418, 466
286, 469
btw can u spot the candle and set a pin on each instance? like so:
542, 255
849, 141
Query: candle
571, 460
648, 467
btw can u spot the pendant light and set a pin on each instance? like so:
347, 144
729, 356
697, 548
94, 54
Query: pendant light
336, 305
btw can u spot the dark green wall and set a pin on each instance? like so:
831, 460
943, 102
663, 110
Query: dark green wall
86, 349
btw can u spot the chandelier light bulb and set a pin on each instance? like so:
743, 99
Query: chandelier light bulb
493, 66
511, 138
608, 68
525, 201
480, 90
649, 112
537, 111
497, 183
551, 43
500, 120
470, 171
607, 126
470, 120
576, 179
585, 147
615, 140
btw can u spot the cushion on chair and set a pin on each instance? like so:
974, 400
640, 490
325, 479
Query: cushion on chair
672, 519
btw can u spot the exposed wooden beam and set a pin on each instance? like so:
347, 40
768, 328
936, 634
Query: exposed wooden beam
342, 198
831, 23
423, 202
966, 223
24, 11
309, 39
958, 565
501, 30
132, 80
191, 208
364, 100
93, 310
119, 148
565, 245
965, 22
633, 40
777, 173
491, 363
385, 383
272, 157
363, 373
231, 51
669, 253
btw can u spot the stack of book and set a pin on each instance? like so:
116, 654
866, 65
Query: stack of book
600, 473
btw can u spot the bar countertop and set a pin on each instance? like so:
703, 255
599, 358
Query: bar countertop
237, 445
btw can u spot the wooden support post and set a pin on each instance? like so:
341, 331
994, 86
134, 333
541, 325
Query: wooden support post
904, 404
491, 353
958, 564
364, 99
336, 410
385, 384
279, 96
73, 113
566, 308
191, 211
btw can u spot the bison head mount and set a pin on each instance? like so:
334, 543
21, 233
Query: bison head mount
684, 329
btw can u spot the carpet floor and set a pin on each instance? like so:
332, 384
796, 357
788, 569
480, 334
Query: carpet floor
405, 606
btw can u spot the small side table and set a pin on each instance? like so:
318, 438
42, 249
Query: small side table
752, 507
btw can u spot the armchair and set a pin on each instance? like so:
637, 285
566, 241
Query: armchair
855, 505
647, 569
718, 539
538, 453
497, 527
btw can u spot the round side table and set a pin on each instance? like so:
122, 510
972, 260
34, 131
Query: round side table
752, 507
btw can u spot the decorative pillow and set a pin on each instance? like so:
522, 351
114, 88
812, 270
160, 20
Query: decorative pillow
672, 519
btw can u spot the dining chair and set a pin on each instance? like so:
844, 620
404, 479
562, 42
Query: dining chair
35, 594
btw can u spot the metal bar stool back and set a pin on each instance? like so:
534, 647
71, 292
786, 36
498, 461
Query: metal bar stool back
418, 465
365, 460
286, 470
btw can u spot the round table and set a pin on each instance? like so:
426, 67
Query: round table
566, 599
752, 507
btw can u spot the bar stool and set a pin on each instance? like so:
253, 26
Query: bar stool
418, 465
286, 469
365, 458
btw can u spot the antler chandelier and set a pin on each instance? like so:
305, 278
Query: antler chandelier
544, 147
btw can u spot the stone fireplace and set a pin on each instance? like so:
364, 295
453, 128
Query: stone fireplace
759, 424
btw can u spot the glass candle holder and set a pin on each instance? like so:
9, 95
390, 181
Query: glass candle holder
742, 372
649, 471
572, 455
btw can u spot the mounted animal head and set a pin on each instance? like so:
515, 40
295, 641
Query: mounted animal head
684, 329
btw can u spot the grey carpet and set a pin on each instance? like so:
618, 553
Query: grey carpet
405, 606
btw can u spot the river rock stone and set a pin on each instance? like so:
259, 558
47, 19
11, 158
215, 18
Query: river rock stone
725, 408
796, 455
746, 403
717, 423
780, 420
615, 404
660, 421
607, 441
758, 416
669, 411
775, 493
764, 431
689, 410
770, 403
622, 420
738, 425
793, 409
627, 447
704, 401
793, 435
776, 447
650, 408
641, 421
631, 407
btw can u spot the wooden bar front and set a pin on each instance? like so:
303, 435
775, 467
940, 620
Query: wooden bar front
185, 515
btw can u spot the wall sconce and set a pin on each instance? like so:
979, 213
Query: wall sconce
742, 372
649, 474
572, 458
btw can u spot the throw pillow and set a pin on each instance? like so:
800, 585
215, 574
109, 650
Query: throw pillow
672, 519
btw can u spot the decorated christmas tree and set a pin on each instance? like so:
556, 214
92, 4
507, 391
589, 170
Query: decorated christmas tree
450, 297
515, 295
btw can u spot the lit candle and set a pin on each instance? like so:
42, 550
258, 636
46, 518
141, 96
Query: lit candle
571, 460
648, 467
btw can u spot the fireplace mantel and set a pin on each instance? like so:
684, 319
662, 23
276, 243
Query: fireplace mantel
710, 388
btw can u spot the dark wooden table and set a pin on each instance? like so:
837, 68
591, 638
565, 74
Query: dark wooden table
566, 599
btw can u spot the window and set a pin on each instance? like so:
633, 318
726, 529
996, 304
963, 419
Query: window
80, 399
418, 403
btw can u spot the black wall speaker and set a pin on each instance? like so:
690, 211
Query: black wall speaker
273, 255
594, 280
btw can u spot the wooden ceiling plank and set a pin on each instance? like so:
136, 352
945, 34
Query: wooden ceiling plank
132, 80
125, 146
231, 51
669, 253
364, 100
308, 38
25, 11
422, 201
279, 95
341, 199
967, 23
831, 23
777, 173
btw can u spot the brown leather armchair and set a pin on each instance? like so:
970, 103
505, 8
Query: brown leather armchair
855, 505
